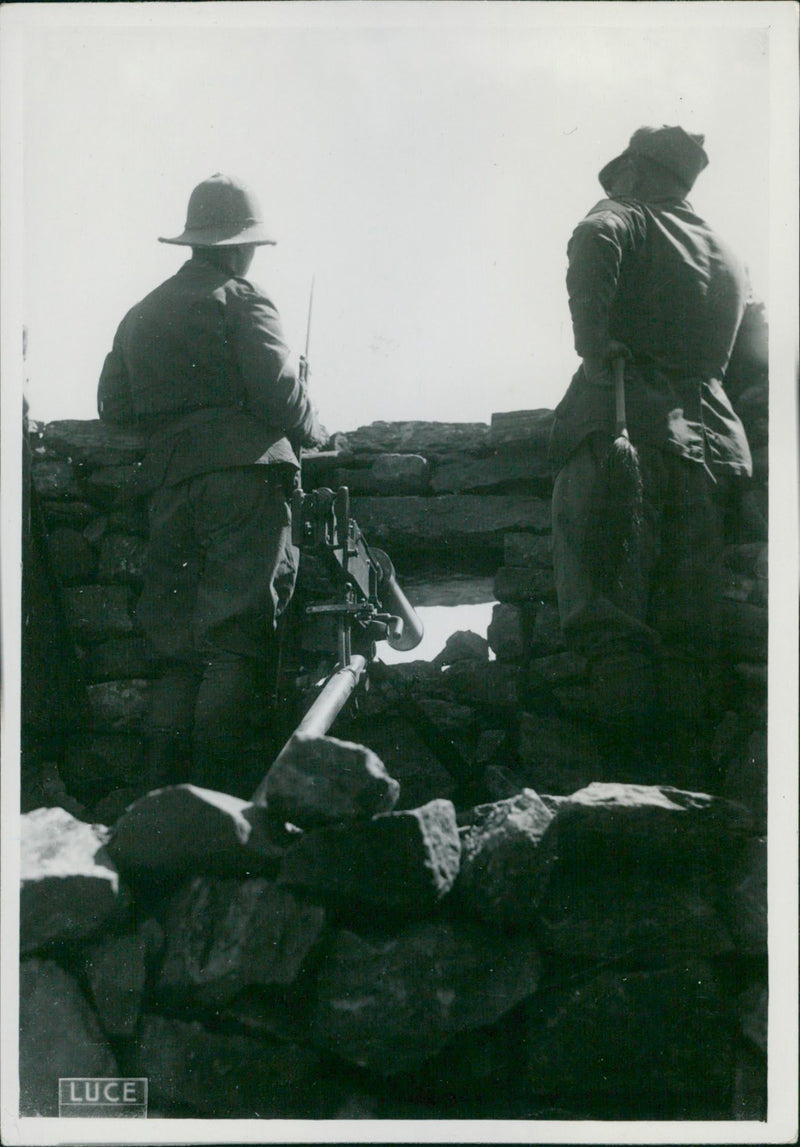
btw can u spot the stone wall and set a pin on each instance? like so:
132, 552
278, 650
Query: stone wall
537, 884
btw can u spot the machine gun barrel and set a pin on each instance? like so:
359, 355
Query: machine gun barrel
407, 630
370, 603
319, 718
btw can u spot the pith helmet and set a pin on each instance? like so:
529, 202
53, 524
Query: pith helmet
222, 212
673, 148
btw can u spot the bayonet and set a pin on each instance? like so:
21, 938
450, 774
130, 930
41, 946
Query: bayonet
303, 366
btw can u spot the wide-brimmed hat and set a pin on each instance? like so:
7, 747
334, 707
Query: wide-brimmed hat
671, 147
222, 212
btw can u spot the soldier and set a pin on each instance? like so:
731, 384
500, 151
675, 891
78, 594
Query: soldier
649, 281
202, 367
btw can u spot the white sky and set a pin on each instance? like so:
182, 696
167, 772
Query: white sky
427, 163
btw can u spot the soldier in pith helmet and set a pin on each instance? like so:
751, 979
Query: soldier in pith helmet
202, 367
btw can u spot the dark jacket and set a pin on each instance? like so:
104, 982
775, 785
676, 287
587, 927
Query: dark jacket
201, 365
655, 277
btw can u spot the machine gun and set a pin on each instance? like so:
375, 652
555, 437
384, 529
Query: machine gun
368, 606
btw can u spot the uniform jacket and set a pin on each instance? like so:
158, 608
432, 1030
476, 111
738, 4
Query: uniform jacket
655, 277
201, 365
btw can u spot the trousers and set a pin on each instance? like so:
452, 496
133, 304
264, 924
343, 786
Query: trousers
658, 617
219, 575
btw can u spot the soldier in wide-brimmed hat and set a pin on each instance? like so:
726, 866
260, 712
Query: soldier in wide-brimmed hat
650, 282
201, 365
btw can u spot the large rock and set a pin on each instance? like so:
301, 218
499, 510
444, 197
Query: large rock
505, 632
227, 935
499, 473
116, 969
391, 1004
636, 1039
118, 706
611, 825
59, 1036
451, 520
70, 886
426, 438
185, 828
112, 487
321, 780
464, 645
388, 474
530, 426
634, 915
95, 612
504, 868
94, 443
223, 1076
55, 480
402, 861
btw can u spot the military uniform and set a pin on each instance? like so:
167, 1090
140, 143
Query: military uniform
202, 366
653, 276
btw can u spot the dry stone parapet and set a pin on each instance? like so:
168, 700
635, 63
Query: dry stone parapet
443, 959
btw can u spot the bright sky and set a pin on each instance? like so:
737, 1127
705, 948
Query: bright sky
425, 162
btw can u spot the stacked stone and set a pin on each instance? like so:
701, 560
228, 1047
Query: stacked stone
476, 989
455, 504
548, 957
83, 475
